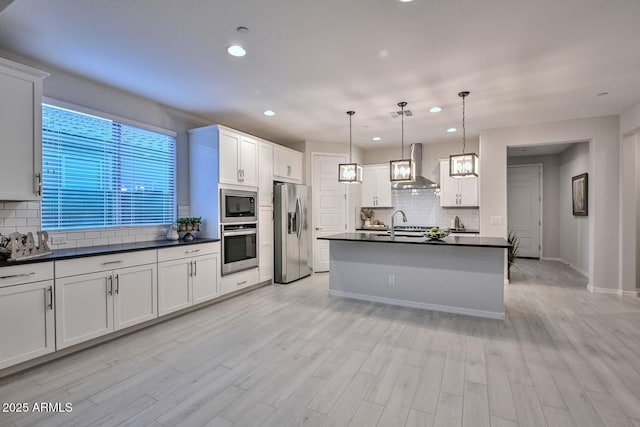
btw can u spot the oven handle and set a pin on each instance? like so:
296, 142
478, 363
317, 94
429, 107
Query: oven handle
239, 233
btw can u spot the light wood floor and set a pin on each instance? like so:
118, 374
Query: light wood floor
292, 355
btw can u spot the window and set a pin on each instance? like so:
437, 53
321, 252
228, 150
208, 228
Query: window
101, 173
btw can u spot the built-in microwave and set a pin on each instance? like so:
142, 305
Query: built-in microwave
237, 206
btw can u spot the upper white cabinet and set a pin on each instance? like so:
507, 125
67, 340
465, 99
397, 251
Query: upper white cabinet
27, 322
457, 192
21, 131
376, 186
238, 159
287, 164
265, 173
98, 295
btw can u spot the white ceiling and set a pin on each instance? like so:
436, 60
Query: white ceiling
311, 61
538, 150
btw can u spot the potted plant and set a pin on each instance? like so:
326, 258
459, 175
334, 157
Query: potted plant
195, 222
514, 243
182, 224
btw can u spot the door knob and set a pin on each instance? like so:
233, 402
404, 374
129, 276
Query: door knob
318, 229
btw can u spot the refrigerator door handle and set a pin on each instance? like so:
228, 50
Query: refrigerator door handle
299, 217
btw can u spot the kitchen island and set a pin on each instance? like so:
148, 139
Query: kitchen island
457, 274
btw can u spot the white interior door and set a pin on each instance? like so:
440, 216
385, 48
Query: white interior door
524, 203
329, 205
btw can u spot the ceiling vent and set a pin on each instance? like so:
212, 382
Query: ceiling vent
398, 114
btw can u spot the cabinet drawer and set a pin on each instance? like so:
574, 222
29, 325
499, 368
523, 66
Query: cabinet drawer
26, 273
240, 280
188, 251
73, 267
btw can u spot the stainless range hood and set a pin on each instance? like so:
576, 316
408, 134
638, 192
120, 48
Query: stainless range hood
421, 181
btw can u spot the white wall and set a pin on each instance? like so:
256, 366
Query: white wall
604, 202
550, 200
574, 230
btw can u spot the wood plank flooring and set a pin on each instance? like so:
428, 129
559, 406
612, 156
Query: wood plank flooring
292, 355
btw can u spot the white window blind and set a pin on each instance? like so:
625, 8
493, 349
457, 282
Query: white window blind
100, 173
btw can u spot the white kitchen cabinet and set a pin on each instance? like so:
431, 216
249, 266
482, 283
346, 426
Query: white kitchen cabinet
238, 159
265, 243
376, 186
21, 131
457, 192
187, 276
265, 173
236, 281
27, 321
287, 164
89, 305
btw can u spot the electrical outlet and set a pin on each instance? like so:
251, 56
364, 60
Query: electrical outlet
58, 240
392, 279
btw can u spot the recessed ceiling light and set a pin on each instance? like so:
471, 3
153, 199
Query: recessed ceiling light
404, 1
236, 50
603, 93
269, 113
435, 109
377, 138
451, 130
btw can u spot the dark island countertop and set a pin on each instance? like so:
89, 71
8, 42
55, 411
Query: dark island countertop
88, 251
482, 242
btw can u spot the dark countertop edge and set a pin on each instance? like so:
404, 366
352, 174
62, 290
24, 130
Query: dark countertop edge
466, 230
477, 242
88, 251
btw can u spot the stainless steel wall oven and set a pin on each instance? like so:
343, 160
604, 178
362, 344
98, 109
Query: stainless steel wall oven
239, 247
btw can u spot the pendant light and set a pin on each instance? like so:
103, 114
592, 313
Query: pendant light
464, 165
403, 170
350, 173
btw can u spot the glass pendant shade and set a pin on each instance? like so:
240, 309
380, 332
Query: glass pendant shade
350, 173
463, 165
403, 170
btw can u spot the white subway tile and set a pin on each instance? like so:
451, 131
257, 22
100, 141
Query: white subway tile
21, 213
91, 234
143, 239
115, 240
84, 243
16, 205
98, 242
128, 239
77, 235
15, 222
33, 222
107, 234
66, 245
33, 205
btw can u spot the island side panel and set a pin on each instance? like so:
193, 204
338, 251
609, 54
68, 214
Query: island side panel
454, 279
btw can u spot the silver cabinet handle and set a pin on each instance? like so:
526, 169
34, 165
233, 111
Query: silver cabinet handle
288, 170
192, 251
195, 268
50, 290
38, 189
13, 276
118, 284
112, 262
109, 285
189, 268
241, 283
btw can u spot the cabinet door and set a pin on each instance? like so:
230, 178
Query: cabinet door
279, 162
229, 161
295, 163
468, 191
174, 286
21, 128
205, 278
135, 295
383, 186
369, 183
265, 242
26, 322
84, 308
249, 161
448, 186
265, 169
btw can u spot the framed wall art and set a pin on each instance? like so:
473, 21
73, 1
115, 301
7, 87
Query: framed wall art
580, 194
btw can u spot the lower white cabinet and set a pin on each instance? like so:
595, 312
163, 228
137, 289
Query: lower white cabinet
265, 243
236, 281
90, 305
187, 276
27, 328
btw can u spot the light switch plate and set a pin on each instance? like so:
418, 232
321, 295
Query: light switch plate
495, 220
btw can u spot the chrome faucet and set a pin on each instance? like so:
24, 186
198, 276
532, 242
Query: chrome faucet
393, 226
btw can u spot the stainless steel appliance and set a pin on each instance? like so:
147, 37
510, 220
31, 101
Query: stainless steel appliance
292, 232
239, 247
237, 206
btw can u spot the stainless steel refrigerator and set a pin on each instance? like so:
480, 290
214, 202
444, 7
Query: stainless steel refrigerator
292, 232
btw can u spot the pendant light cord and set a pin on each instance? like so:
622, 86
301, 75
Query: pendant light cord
350, 115
402, 105
464, 128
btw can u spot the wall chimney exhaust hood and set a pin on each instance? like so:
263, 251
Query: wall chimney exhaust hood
421, 181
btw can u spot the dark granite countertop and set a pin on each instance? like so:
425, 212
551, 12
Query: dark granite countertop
105, 250
482, 242
464, 231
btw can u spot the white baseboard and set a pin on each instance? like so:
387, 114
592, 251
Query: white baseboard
619, 292
547, 258
506, 281
422, 305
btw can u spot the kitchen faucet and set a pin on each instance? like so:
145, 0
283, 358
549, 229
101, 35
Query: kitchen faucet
393, 216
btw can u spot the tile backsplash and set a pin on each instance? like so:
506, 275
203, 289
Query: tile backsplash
422, 207
25, 217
